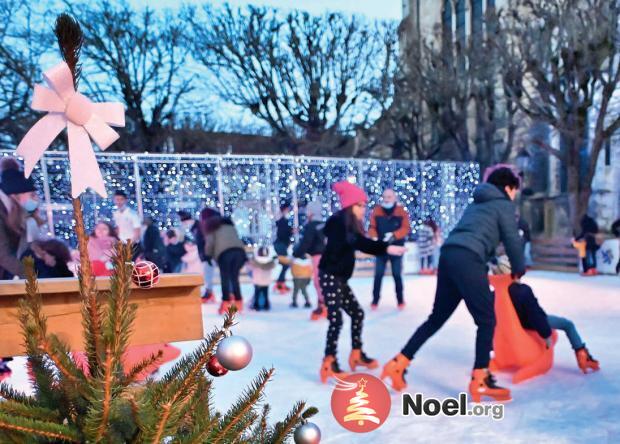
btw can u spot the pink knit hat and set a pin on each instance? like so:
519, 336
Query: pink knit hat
349, 193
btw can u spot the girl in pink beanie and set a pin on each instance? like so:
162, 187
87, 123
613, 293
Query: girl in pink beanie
345, 234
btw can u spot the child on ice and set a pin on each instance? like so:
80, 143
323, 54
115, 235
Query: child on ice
345, 234
261, 266
301, 268
533, 317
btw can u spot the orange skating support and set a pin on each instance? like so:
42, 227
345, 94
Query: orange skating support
516, 349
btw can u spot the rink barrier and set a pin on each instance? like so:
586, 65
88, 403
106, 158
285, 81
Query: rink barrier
251, 188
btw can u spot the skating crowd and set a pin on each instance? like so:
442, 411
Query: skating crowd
323, 253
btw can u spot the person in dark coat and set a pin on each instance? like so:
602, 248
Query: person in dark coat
533, 317
51, 258
174, 252
312, 242
284, 233
222, 244
462, 275
345, 234
18, 197
589, 230
153, 248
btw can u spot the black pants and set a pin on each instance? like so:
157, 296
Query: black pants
339, 296
461, 275
261, 298
230, 263
397, 266
281, 250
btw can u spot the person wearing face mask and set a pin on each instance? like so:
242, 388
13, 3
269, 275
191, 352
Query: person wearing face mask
17, 198
389, 222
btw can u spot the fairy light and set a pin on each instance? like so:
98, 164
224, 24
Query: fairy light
254, 187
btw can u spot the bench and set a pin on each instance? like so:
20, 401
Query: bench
556, 254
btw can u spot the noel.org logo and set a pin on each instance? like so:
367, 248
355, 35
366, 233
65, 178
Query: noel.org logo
361, 402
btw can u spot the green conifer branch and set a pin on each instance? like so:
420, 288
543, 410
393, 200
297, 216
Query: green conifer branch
47, 430
138, 368
15, 408
282, 430
10, 394
240, 408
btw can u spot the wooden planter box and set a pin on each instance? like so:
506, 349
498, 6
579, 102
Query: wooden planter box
168, 312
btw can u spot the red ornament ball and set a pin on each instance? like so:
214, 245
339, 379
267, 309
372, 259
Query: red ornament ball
145, 274
215, 368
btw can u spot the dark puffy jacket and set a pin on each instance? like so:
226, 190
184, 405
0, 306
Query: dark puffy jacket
530, 313
153, 247
312, 240
489, 220
338, 258
283, 231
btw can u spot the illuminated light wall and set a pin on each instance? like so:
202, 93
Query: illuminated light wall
250, 189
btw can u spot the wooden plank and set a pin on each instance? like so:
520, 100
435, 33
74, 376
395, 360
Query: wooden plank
170, 311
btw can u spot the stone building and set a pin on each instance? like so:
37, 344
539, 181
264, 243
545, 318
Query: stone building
547, 206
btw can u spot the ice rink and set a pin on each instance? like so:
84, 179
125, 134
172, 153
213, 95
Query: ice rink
563, 406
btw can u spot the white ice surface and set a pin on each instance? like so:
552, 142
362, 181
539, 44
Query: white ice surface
563, 406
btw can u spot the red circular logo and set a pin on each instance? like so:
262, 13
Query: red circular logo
361, 402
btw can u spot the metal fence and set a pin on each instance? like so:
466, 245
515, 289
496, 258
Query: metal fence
251, 188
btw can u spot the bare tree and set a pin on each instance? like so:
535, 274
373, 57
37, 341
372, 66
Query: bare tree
307, 76
567, 52
449, 91
141, 54
21, 46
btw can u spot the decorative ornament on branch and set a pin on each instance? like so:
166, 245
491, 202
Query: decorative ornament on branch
234, 352
145, 274
83, 119
215, 368
307, 433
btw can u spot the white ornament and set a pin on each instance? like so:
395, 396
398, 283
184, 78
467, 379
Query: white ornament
308, 433
234, 353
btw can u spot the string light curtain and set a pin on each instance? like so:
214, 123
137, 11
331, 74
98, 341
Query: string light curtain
250, 189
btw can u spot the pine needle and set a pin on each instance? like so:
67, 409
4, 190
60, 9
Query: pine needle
242, 407
283, 430
48, 430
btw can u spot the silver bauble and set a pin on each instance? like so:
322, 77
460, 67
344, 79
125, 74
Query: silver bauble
234, 352
308, 433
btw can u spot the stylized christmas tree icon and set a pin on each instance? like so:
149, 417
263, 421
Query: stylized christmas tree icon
358, 409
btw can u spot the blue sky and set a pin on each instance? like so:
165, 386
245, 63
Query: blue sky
384, 9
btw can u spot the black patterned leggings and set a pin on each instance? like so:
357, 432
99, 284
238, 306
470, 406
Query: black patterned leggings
339, 296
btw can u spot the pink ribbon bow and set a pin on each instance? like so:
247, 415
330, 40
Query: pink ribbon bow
68, 108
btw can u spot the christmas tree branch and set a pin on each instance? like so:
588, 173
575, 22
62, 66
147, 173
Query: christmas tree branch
9, 393
15, 408
282, 430
174, 389
116, 329
30, 427
241, 408
34, 325
141, 366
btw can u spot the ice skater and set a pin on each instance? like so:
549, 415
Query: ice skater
462, 274
533, 317
345, 234
261, 266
